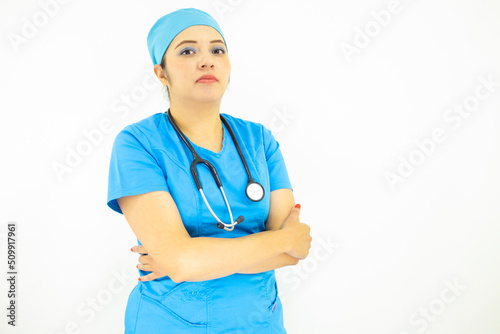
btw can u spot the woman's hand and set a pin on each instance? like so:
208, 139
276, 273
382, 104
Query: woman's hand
146, 263
300, 234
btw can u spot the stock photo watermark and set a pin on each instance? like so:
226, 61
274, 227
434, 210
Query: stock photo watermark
320, 252
280, 119
12, 274
30, 27
87, 310
221, 7
93, 137
371, 30
430, 312
453, 117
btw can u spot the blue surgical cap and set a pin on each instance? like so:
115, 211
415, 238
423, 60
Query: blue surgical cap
167, 27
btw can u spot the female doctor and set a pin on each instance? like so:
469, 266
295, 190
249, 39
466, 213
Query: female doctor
206, 194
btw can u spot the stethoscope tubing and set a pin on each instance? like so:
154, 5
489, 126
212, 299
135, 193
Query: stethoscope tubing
194, 172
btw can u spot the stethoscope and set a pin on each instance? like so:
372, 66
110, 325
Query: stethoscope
253, 190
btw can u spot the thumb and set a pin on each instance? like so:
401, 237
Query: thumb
296, 208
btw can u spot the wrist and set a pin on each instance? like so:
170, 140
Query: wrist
285, 239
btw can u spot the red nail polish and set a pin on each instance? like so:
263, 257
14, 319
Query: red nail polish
137, 266
139, 278
131, 249
297, 206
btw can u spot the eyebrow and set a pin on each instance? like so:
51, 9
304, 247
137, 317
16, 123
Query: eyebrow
187, 41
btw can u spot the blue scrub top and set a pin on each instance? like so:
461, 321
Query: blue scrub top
150, 156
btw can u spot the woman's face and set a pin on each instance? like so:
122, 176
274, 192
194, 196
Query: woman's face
194, 52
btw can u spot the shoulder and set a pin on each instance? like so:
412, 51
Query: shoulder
143, 130
253, 133
243, 126
148, 125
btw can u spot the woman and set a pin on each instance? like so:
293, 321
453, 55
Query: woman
204, 271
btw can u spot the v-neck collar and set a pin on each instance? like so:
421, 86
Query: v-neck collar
212, 153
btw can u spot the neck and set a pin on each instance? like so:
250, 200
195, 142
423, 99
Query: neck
197, 120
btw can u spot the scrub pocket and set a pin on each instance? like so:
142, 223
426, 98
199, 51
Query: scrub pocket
275, 310
277, 323
274, 297
183, 309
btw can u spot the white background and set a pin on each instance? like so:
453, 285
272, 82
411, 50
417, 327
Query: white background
382, 257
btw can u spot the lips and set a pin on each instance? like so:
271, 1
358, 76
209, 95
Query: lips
207, 79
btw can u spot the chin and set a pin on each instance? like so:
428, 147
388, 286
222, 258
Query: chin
209, 97
210, 100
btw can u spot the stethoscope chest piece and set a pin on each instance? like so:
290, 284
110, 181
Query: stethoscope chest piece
254, 191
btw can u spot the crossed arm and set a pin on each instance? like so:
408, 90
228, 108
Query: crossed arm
282, 202
193, 258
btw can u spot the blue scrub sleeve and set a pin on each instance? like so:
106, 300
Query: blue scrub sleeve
278, 174
133, 170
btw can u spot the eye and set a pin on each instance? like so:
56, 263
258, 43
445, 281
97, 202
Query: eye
183, 51
219, 48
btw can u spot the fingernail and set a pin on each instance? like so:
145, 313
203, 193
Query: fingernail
132, 249
137, 266
139, 278
297, 206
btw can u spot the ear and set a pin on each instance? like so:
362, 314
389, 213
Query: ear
161, 75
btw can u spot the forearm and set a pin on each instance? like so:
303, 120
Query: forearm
206, 258
275, 262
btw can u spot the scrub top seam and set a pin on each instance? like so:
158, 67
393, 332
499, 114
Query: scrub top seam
263, 216
138, 311
161, 149
171, 158
259, 172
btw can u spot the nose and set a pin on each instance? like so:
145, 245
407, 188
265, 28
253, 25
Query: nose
207, 64
206, 61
